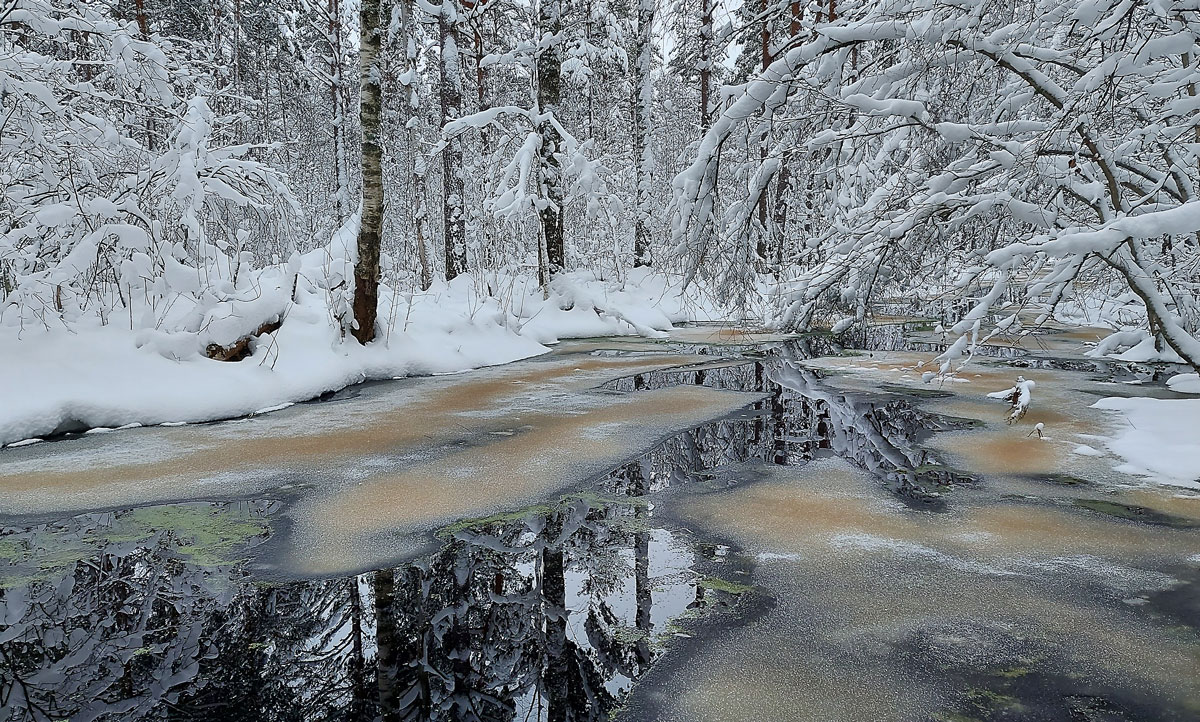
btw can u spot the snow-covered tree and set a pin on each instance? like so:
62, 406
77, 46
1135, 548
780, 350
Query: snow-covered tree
980, 147
117, 194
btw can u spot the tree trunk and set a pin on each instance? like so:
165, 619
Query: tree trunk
412, 121
337, 98
453, 221
643, 98
763, 252
783, 184
139, 9
341, 168
706, 39
366, 269
549, 91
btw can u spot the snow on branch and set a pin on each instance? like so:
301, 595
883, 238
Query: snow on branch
1053, 147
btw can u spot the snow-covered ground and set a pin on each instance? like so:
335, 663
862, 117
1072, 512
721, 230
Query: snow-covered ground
87, 375
1158, 438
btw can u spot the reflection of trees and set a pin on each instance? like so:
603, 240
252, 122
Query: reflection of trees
481, 630
801, 419
540, 617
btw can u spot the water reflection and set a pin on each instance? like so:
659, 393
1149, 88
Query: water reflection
804, 418
548, 614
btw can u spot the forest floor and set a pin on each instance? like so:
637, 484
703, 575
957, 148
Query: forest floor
738, 525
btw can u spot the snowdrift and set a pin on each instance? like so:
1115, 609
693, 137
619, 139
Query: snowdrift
147, 364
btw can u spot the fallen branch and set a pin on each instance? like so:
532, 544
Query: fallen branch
240, 348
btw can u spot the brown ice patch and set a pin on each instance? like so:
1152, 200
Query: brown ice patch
1177, 503
748, 689
1036, 530
797, 517
553, 453
1004, 453
199, 453
725, 335
804, 508
840, 609
1082, 333
906, 368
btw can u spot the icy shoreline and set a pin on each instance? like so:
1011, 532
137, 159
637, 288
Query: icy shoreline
88, 376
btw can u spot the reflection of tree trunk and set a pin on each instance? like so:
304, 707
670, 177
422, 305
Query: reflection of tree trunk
385, 640
412, 651
641, 568
555, 686
357, 672
779, 421
456, 642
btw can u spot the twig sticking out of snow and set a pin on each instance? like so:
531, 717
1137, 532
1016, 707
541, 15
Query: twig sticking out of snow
1018, 397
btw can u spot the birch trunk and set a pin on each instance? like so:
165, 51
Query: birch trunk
366, 268
549, 91
643, 96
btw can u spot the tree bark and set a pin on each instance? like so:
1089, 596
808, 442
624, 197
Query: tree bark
412, 122
453, 220
366, 269
783, 183
761, 248
341, 170
139, 9
706, 39
549, 92
643, 97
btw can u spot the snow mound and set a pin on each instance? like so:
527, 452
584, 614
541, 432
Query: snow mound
94, 375
1159, 440
1185, 383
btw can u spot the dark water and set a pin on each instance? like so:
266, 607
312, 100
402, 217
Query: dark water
544, 613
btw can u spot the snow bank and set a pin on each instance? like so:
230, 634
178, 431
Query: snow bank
1185, 383
90, 375
1160, 439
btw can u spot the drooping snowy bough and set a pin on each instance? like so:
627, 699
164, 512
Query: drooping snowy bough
120, 192
1038, 155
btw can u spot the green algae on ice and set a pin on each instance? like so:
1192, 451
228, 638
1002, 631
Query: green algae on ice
203, 534
718, 584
